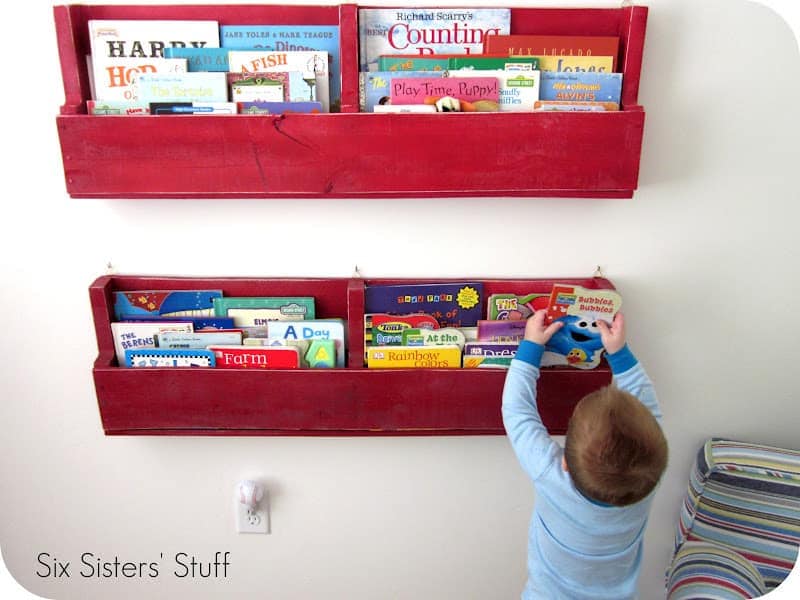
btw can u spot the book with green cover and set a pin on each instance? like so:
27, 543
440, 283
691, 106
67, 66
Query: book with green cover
259, 310
508, 63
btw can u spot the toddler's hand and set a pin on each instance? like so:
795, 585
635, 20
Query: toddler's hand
613, 336
535, 330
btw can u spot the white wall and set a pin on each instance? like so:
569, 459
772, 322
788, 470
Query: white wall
704, 255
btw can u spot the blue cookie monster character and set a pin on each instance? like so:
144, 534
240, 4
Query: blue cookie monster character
577, 341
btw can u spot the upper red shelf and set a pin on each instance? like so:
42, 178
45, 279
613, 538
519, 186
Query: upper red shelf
350, 154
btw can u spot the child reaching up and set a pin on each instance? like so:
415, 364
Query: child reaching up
593, 497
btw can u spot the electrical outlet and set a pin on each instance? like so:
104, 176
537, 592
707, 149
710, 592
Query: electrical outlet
250, 520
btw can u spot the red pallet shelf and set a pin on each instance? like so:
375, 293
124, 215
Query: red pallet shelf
349, 401
350, 154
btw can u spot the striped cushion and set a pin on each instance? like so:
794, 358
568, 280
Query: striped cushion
702, 570
746, 497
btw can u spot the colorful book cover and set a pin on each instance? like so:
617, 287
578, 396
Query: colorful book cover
143, 38
321, 329
500, 331
570, 106
198, 339
198, 323
423, 31
489, 355
373, 87
313, 66
414, 357
161, 357
552, 45
515, 307
447, 336
426, 90
114, 79
581, 87
486, 362
278, 108
129, 109
519, 90
590, 64
260, 87
574, 300
181, 87
456, 304
249, 311
403, 62
256, 357
165, 303
281, 38
382, 329
494, 63
201, 59
192, 108
129, 336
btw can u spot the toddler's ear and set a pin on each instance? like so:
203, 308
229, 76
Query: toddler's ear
564, 463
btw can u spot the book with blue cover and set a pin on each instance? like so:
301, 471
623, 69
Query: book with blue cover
201, 59
198, 323
324, 38
161, 357
278, 108
578, 86
451, 304
163, 303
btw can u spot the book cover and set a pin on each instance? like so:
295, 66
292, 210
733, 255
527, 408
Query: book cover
404, 62
198, 323
489, 355
493, 63
567, 64
256, 357
278, 108
198, 339
574, 300
193, 108
249, 311
456, 304
114, 78
260, 87
161, 357
292, 38
553, 45
500, 331
428, 90
381, 329
569, 106
423, 31
486, 362
581, 87
143, 38
404, 108
130, 336
519, 90
312, 65
447, 336
182, 87
320, 329
515, 307
94, 107
165, 303
373, 87
201, 59
414, 357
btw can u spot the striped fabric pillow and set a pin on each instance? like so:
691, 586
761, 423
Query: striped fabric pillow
746, 497
710, 571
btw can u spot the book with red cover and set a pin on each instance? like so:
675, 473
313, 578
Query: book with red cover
256, 357
552, 45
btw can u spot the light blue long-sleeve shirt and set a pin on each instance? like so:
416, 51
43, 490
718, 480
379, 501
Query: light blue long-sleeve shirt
578, 549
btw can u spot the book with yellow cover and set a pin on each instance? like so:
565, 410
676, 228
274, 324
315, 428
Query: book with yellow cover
409, 357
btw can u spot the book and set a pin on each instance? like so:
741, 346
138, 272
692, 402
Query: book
198, 323
519, 90
492, 63
278, 108
260, 87
161, 357
552, 45
251, 311
569, 106
165, 303
429, 90
574, 300
423, 31
198, 339
373, 87
312, 64
404, 108
500, 331
590, 64
193, 108
489, 355
515, 307
381, 329
404, 357
581, 87
114, 79
447, 336
322, 354
256, 357
182, 87
94, 107
319, 329
141, 335
279, 38
452, 304
201, 59
144, 38
393, 63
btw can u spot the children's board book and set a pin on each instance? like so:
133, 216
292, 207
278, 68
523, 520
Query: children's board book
116, 108
260, 87
393, 63
201, 59
456, 304
492, 63
581, 87
574, 300
282, 38
414, 357
130, 336
120, 38
256, 357
428, 90
278, 108
192, 108
198, 339
519, 90
165, 303
501, 331
181, 87
489, 355
515, 307
161, 357
553, 45
198, 323
373, 87
381, 329
114, 79
567, 64
249, 311
421, 31
447, 336
332, 330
